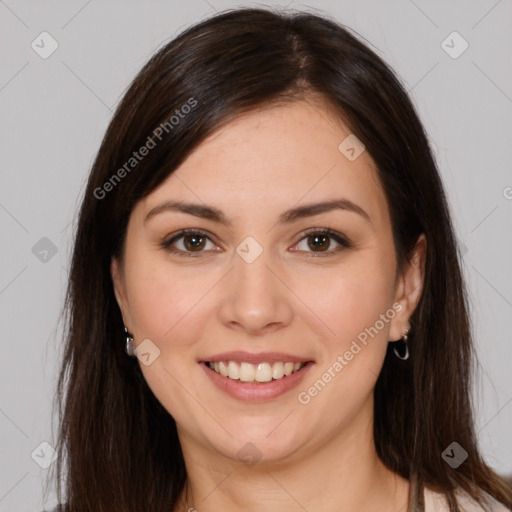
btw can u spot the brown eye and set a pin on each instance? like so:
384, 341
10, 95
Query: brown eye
320, 241
194, 242
187, 242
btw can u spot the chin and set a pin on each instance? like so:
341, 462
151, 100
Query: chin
261, 444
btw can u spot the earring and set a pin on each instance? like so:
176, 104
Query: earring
405, 347
129, 346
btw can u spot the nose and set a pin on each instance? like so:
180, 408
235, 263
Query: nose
256, 298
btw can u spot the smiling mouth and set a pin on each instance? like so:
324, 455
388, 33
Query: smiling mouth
250, 373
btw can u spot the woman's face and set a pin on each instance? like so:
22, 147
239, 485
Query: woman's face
267, 285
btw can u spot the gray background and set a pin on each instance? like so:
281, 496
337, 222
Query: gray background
54, 112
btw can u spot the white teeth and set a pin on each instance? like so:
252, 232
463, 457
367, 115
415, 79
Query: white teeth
278, 370
233, 370
263, 373
223, 369
247, 372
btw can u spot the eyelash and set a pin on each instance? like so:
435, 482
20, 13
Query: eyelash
343, 241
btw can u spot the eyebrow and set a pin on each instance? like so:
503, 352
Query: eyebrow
292, 215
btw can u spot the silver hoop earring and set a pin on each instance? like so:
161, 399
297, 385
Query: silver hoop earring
405, 347
129, 346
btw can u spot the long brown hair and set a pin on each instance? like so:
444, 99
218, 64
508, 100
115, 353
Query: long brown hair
117, 446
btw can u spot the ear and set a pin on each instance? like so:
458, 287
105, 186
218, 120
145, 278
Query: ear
116, 271
408, 289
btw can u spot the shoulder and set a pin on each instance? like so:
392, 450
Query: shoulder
436, 502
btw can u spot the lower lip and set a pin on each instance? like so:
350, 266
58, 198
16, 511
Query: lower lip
256, 391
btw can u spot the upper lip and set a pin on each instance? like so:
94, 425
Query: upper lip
248, 357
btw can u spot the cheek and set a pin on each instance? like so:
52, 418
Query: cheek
169, 305
163, 302
358, 308
353, 296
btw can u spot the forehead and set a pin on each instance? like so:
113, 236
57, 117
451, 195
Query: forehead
276, 156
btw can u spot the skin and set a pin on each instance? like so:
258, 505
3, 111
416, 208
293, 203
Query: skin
253, 169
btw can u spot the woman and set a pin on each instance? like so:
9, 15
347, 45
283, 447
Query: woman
265, 296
